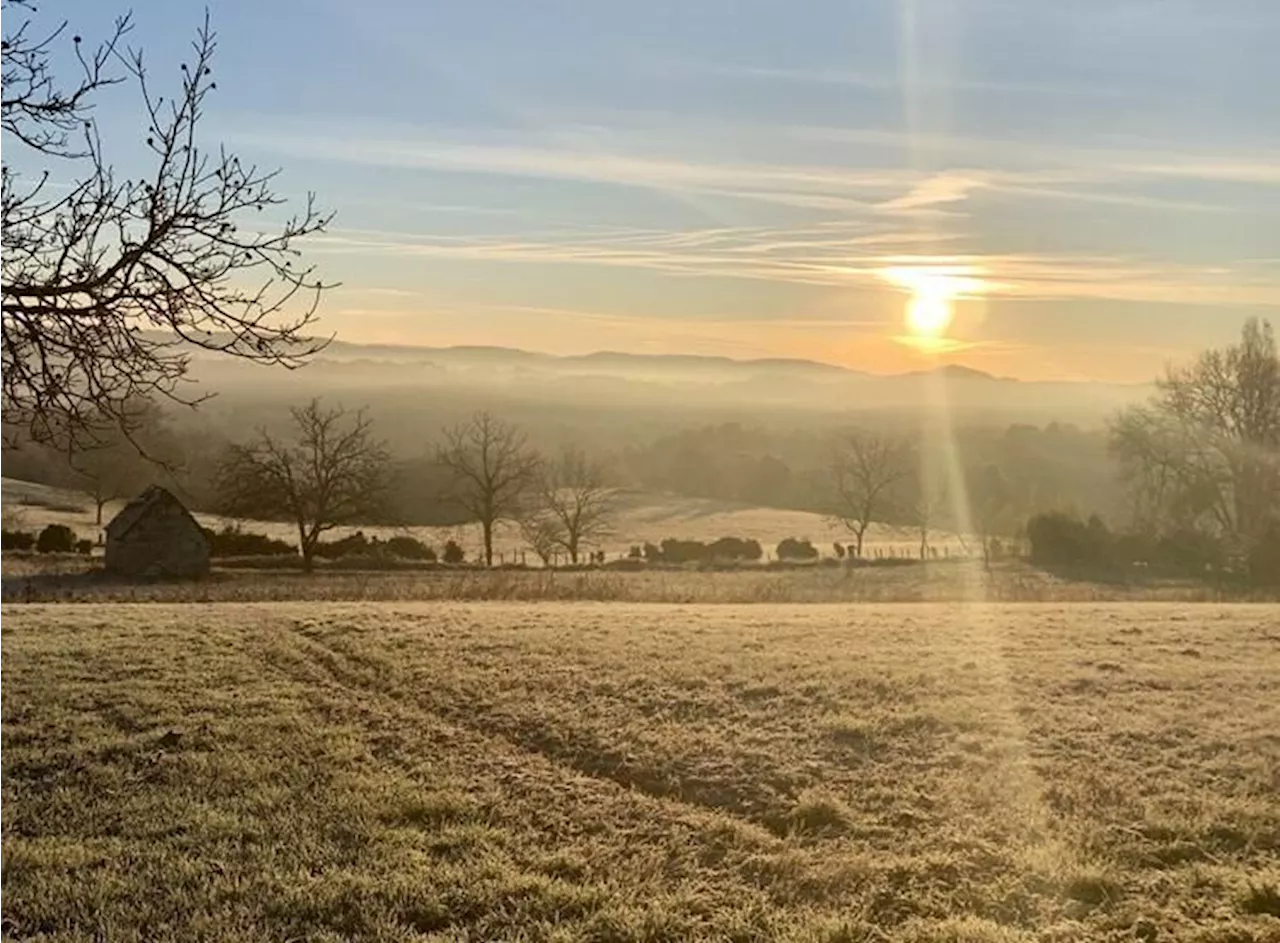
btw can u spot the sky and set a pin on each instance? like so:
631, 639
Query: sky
1090, 189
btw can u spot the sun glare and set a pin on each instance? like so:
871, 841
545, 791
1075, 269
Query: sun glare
931, 305
928, 314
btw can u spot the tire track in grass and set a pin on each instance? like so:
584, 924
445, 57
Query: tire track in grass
360, 675
732, 850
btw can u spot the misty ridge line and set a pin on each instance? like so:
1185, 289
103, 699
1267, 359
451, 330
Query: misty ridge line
339, 352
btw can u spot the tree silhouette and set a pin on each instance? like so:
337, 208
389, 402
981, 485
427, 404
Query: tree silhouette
868, 472
574, 504
1205, 452
110, 283
333, 472
493, 470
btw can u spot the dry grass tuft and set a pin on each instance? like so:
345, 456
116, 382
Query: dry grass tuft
1261, 898
818, 812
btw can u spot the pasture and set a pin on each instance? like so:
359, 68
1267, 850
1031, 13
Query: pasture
451, 771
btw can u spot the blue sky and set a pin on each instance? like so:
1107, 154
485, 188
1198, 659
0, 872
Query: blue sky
736, 176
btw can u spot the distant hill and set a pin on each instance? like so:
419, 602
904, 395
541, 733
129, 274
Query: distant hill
659, 388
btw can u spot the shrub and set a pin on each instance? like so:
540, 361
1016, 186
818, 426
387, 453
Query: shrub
84, 547
1191, 552
1064, 540
453, 553
636, 552
839, 549
735, 548
410, 548
231, 541
683, 551
652, 553
1135, 548
792, 549
56, 538
17, 540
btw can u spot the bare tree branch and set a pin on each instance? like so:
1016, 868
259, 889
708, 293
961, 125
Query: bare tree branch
110, 284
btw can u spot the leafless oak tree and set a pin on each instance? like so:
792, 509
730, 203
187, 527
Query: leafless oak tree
868, 474
574, 502
493, 470
332, 472
110, 282
1205, 452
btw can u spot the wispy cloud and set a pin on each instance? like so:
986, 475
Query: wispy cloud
817, 257
858, 221
949, 187
828, 187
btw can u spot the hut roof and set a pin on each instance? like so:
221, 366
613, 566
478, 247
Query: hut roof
153, 497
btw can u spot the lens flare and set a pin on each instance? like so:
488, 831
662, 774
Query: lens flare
928, 314
934, 290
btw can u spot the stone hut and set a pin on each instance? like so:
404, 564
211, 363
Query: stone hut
154, 535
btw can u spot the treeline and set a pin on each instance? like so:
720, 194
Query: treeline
1039, 468
232, 542
1200, 464
1054, 466
1090, 547
1057, 466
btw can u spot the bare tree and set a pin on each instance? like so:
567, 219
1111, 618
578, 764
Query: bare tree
1173, 482
869, 473
332, 472
1205, 452
109, 283
493, 470
541, 532
574, 503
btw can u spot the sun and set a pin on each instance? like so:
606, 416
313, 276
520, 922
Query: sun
929, 314
930, 306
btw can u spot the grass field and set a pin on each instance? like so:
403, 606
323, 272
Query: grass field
593, 772
72, 578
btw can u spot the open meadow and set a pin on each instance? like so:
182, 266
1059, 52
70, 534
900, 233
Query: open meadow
446, 771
